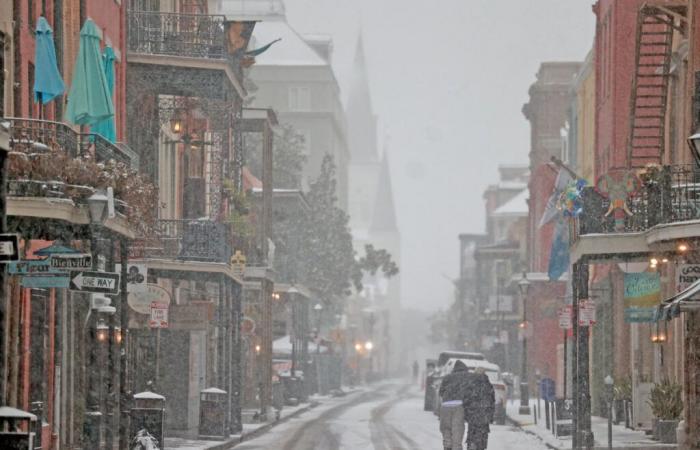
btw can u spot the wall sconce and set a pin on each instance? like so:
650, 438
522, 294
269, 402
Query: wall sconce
118, 335
369, 346
358, 347
257, 349
176, 124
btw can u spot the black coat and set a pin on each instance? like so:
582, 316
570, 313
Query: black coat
455, 385
480, 400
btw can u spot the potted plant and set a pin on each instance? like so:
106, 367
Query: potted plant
622, 394
667, 406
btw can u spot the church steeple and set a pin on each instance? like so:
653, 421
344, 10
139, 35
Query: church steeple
362, 123
384, 217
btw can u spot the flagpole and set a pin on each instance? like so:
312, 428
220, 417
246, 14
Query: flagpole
561, 164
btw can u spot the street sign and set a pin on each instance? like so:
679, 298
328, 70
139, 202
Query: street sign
565, 318
33, 267
586, 315
159, 315
71, 261
9, 247
95, 282
45, 281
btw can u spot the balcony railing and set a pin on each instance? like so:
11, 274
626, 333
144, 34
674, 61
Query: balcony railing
39, 136
174, 34
190, 240
669, 194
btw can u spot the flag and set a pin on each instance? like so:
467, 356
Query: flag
551, 211
559, 254
261, 50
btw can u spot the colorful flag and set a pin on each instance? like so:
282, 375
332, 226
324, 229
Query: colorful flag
559, 254
551, 211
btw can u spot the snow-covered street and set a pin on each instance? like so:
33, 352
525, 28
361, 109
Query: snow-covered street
387, 417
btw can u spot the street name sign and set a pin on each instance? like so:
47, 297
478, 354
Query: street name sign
33, 267
9, 247
95, 282
71, 261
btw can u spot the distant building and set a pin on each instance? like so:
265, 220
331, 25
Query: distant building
295, 78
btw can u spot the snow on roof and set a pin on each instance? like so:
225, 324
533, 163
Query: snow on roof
516, 206
148, 395
213, 390
7, 412
292, 50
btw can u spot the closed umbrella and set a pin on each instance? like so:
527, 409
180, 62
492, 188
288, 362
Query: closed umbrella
48, 83
106, 128
89, 99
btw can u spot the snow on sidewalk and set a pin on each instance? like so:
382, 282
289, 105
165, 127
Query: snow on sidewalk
623, 438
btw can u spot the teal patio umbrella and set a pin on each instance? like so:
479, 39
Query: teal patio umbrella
89, 99
48, 83
106, 128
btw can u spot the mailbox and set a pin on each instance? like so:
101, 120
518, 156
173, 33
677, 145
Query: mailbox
212, 413
148, 414
15, 429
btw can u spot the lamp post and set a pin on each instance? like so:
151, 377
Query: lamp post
97, 207
524, 287
609, 397
318, 308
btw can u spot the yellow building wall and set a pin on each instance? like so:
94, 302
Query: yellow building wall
585, 105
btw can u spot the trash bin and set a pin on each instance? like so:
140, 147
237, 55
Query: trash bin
148, 414
12, 423
277, 397
212, 414
293, 389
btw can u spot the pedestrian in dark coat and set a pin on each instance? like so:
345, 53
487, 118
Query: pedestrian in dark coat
479, 407
453, 388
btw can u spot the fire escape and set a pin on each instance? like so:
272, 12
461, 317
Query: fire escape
656, 25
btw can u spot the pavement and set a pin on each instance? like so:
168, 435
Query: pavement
623, 438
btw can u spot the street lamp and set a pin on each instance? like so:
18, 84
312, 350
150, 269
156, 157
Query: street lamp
694, 144
97, 204
524, 287
369, 346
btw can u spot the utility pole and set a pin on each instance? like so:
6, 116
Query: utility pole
4, 149
583, 436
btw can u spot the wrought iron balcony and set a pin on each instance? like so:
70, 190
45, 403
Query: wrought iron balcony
184, 239
668, 194
34, 136
175, 34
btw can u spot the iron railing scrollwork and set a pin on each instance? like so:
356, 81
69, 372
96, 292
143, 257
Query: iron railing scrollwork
668, 194
185, 239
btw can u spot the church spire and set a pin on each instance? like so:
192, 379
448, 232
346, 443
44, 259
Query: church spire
384, 217
362, 123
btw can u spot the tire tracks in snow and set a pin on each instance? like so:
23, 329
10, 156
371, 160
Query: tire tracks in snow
385, 436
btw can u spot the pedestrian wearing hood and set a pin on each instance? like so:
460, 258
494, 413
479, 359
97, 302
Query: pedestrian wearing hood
479, 407
453, 390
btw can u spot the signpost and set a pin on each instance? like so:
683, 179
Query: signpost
159, 315
95, 282
70, 261
9, 247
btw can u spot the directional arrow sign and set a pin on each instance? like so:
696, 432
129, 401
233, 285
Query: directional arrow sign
95, 282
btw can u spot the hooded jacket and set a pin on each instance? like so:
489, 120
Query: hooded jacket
479, 403
455, 385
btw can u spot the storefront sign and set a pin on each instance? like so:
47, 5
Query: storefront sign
686, 274
136, 275
141, 302
642, 294
34, 267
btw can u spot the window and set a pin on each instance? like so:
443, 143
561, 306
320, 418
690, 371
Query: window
2, 74
30, 90
299, 98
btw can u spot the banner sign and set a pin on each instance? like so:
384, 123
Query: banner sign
642, 295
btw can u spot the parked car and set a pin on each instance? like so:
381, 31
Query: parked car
431, 400
493, 371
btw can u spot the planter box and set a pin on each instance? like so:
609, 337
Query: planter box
666, 430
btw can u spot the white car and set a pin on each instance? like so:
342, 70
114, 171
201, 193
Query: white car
493, 371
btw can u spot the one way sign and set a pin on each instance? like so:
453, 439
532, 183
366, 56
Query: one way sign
95, 282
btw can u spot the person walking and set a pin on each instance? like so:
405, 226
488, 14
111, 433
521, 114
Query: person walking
416, 369
479, 407
453, 390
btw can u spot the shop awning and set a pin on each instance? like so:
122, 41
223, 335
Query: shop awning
685, 300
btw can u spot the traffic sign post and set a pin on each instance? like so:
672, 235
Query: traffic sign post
9, 247
95, 282
159, 315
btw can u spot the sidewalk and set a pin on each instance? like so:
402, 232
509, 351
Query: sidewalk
250, 430
623, 438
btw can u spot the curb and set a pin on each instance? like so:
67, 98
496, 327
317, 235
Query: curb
605, 447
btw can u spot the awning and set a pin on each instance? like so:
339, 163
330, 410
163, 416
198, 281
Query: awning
683, 301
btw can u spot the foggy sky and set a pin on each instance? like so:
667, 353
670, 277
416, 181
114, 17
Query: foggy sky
448, 81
